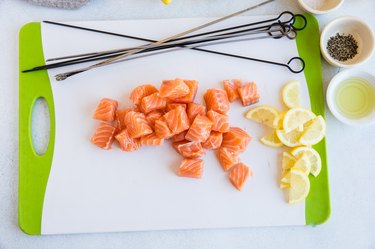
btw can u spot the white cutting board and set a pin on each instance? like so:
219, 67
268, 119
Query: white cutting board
93, 190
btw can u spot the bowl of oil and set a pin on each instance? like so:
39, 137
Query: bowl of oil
351, 97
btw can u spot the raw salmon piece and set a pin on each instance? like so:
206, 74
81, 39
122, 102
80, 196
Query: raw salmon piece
151, 140
227, 158
248, 94
238, 175
120, 118
193, 88
189, 149
220, 121
137, 125
161, 129
200, 129
140, 92
106, 110
177, 120
179, 137
153, 116
217, 100
213, 141
103, 136
152, 102
191, 168
175, 145
193, 109
126, 142
236, 139
171, 105
231, 89
173, 89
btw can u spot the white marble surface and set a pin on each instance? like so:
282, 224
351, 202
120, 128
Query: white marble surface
351, 154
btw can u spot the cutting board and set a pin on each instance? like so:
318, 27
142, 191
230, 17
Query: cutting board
76, 187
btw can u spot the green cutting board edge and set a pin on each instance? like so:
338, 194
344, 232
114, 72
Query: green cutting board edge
34, 169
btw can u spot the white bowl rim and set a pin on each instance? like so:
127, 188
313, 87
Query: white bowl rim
328, 58
317, 11
330, 102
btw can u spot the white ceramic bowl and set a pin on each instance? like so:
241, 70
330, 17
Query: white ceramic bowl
320, 7
332, 91
360, 31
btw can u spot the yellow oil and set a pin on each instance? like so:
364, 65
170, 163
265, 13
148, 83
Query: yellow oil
355, 98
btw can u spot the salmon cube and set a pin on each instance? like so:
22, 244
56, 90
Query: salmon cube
177, 120
236, 139
231, 89
227, 158
191, 168
137, 125
193, 109
120, 118
153, 116
220, 121
151, 140
171, 105
106, 110
200, 129
179, 137
238, 175
173, 89
126, 142
248, 94
193, 88
214, 141
140, 92
189, 149
152, 102
161, 129
104, 135
217, 100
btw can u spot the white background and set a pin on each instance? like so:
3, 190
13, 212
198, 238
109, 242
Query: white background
351, 154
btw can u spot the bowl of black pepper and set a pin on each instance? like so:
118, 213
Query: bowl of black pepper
347, 42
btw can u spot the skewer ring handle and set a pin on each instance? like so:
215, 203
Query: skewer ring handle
296, 65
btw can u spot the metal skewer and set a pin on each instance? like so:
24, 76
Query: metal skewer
63, 76
196, 47
294, 65
277, 31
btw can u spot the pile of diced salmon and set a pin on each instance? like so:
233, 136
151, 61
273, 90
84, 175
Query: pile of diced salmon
171, 113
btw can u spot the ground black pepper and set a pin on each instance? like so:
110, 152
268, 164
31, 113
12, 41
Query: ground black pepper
342, 47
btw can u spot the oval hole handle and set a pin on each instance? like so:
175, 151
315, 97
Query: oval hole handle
40, 126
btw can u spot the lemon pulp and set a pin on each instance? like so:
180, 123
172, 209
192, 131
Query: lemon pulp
355, 98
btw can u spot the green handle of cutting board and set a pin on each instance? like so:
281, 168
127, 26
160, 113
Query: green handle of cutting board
318, 207
33, 168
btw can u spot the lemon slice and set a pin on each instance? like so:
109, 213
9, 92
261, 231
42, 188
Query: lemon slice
291, 94
314, 132
303, 164
284, 185
312, 156
271, 140
264, 114
287, 161
299, 186
290, 139
295, 119
285, 177
166, 1
280, 121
